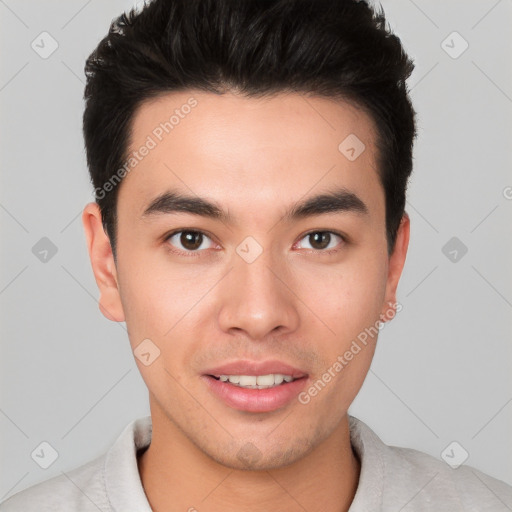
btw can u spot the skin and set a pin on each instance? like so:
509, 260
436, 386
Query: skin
294, 303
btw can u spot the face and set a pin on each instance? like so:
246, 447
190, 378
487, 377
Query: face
264, 281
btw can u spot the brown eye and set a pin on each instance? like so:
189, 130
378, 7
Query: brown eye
322, 240
187, 241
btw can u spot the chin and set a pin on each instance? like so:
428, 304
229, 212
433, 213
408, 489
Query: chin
249, 456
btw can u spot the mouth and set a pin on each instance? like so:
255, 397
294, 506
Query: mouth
268, 381
254, 386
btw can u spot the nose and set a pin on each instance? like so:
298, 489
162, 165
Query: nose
259, 298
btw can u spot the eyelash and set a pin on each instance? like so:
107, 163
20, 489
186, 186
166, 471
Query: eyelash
197, 253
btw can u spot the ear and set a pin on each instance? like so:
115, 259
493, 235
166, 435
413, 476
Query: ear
103, 264
396, 265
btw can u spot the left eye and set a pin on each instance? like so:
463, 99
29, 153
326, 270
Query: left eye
321, 240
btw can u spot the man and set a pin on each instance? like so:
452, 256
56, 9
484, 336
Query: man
250, 161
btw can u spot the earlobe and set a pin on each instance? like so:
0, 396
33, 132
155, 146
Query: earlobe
396, 265
103, 264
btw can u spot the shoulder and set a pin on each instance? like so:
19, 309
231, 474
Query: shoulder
467, 487
106, 483
403, 478
80, 489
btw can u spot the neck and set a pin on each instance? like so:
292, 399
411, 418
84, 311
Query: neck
177, 476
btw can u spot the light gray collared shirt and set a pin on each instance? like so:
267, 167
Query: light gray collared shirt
392, 479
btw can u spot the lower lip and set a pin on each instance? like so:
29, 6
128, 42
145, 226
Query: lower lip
255, 400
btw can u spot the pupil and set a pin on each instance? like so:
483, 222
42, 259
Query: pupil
320, 237
190, 240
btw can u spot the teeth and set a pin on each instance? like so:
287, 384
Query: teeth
265, 380
247, 380
257, 382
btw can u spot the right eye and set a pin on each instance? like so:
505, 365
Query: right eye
191, 241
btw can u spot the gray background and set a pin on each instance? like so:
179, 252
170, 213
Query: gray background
442, 370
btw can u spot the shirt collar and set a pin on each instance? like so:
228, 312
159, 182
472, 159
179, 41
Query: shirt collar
125, 492
121, 477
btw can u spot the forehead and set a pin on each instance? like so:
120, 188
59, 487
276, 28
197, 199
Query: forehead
257, 152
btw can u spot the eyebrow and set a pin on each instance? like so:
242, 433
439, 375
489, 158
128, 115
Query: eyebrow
335, 201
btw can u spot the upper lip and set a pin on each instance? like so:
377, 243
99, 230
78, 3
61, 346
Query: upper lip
246, 367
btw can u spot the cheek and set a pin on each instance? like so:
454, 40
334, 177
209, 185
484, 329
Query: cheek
163, 303
147, 296
158, 307
347, 298
350, 304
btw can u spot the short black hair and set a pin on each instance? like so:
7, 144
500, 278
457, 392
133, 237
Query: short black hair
339, 49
